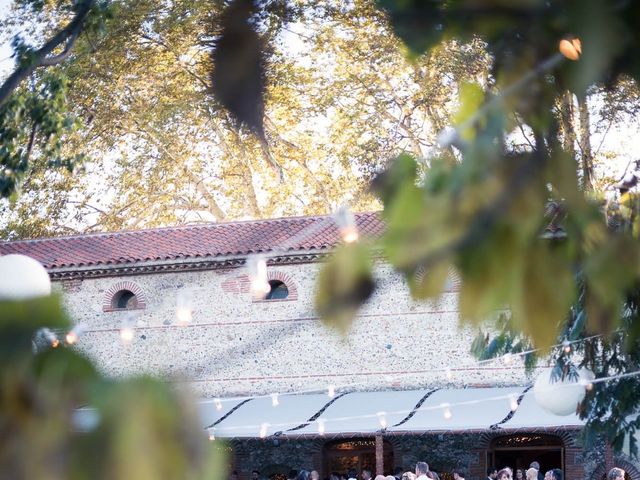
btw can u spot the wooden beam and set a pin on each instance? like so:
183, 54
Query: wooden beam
379, 454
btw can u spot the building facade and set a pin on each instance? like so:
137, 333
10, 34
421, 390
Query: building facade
230, 345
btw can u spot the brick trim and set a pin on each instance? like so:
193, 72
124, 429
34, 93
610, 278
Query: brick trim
240, 284
107, 302
287, 280
632, 469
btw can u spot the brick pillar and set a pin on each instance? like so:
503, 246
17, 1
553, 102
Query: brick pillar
379, 454
608, 458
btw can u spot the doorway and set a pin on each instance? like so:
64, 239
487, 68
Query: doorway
357, 453
518, 451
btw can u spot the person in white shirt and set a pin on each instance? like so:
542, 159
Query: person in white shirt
422, 468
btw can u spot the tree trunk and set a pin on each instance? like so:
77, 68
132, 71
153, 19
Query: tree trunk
585, 145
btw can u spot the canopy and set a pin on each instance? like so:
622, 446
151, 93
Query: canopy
428, 410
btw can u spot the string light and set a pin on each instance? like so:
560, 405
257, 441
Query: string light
588, 385
218, 404
126, 330
507, 358
446, 411
263, 430
346, 224
321, 428
184, 307
74, 335
513, 402
570, 48
257, 266
331, 391
566, 346
382, 418
274, 400
212, 437
51, 338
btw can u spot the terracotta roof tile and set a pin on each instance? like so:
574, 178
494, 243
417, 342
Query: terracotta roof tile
174, 243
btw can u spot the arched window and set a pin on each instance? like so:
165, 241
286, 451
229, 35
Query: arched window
279, 290
124, 300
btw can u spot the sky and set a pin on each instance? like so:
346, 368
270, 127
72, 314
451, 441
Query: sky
5, 48
622, 142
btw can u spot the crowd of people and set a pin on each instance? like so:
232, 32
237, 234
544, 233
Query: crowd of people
422, 472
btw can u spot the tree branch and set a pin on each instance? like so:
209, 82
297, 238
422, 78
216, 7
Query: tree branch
67, 35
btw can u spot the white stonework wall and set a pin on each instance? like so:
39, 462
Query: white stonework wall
235, 346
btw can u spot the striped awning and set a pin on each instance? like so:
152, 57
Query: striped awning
406, 411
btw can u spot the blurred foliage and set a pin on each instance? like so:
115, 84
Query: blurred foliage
520, 224
161, 146
141, 428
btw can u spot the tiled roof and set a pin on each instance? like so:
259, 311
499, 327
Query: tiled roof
191, 242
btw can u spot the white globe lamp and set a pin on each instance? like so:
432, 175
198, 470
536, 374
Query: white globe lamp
560, 397
22, 278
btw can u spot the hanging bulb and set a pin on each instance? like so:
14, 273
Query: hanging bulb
212, 437
513, 402
184, 307
507, 358
321, 428
263, 430
257, 266
449, 374
331, 391
274, 400
446, 411
346, 224
218, 404
126, 330
570, 48
126, 334
566, 346
382, 418
74, 335
51, 338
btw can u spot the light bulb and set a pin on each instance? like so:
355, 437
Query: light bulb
446, 411
571, 48
346, 224
218, 404
184, 307
382, 418
566, 346
588, 386
513, 402
51, 338
74, 335
126, 334
257, 266
212, 437
321, 428
274, 400
331, 391
263, 430
449, 374
507, 358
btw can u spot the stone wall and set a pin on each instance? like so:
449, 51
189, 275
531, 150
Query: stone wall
236, 346
466, 452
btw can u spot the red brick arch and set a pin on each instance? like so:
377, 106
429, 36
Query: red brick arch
107, 303
632, 470
240, 284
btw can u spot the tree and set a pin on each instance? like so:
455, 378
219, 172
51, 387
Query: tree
154, 134
486, 216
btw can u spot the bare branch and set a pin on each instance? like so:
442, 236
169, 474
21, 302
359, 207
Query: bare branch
67, 36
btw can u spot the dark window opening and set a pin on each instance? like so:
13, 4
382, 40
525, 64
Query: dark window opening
124, 300
278, 290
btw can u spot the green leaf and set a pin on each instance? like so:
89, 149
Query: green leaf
345, 282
